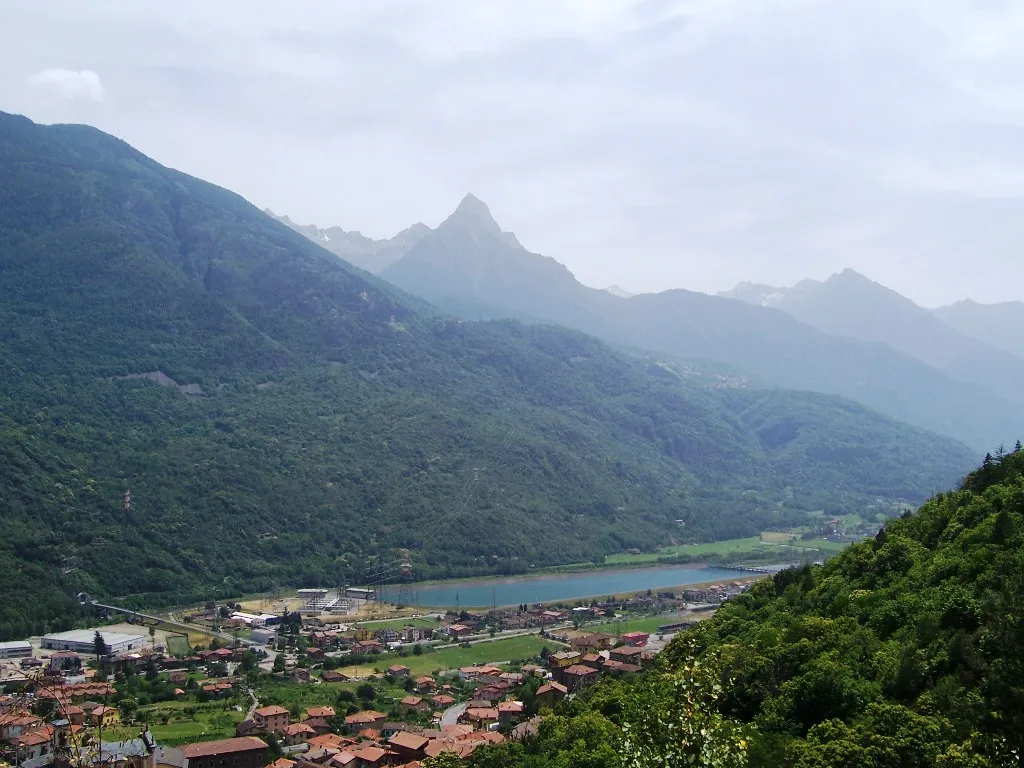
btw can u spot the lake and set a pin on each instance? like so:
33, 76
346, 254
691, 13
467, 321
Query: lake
552, 588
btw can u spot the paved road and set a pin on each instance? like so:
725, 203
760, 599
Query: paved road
451, 715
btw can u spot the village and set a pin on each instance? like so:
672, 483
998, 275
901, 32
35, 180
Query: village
311, 687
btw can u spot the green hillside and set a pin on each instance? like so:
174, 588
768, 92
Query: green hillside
470, 267
906, 651
280, 416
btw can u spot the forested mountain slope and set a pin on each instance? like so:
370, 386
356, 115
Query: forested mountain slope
469, 266
279, 416
906, 651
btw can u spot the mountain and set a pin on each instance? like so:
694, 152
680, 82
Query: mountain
280, 416
471, 268
903, 651
849, 304
997, 324
355, 248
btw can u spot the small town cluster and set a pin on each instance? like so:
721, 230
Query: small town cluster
106, 698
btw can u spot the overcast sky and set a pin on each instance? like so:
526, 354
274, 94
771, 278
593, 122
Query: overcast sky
652, 144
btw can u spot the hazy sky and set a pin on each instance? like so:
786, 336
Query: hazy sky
652, 144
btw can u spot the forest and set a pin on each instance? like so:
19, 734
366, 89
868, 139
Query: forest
906, 650
281, 417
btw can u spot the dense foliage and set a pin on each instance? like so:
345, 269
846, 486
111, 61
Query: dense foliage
313, 416
906, 651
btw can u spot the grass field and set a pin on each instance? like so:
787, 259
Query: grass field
188, 721
178, 645
508, 649
647, 624
736, 550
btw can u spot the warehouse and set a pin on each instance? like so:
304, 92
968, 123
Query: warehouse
16, 649
84, 641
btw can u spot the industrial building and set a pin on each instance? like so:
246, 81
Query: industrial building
16, 649
256, 620
83, 641
263, 636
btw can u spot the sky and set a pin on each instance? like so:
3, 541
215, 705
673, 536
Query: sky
651, 144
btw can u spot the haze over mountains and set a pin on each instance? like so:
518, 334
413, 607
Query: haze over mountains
817, 336
849, 304
281, 416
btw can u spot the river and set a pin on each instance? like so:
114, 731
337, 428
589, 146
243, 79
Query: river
552, 588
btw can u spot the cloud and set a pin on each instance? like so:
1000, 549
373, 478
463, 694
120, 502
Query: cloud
647, 143
69, 84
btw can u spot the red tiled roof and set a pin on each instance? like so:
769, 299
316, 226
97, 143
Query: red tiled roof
223, 747
410, 741
271, 711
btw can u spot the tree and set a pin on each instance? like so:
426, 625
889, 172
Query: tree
673, 719
152, 635
444, 760
99, 646
279, 663
366, 693
417, 650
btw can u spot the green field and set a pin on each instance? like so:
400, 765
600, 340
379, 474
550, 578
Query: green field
736, 550
177, 645
188, 721
509, 649
399, 623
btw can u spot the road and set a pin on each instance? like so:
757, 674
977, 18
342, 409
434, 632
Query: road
451, 715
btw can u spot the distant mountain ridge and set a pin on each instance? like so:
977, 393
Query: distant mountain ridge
469, 267
1001, 325
850, 304
354, 247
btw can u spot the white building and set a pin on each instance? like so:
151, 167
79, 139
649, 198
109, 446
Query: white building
263, 636
83, 641
256, 620
16, 649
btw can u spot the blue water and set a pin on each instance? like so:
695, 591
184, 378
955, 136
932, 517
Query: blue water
572, 586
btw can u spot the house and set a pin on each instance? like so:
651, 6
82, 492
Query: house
594, 660
333, 676
272, 719
635, 639
578, 677
298, 733
413, 704
399, 670
408, 746
330, 741
34, 743
321, 712
416, 634
563, 659
442, 701
550, 694
469, 673
13, 724
319, 725
480, 716
626, 654
534, 670
457, 631
509, 712
370, 757
425, 684
177, 676
105, 716
316, 654
282, 762
75, 715
243, 752
360, 720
